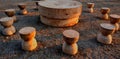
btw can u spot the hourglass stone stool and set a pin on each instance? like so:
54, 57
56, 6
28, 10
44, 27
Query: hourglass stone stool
106, 30
71, 38
104, 12
11, 13
7, 22
90, 7
115, 19
22, 8
29, 42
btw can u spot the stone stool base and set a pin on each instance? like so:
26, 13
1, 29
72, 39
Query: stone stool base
29, 45
70, 49
104, 39
105, 17
9, 30
23, 12
90, 10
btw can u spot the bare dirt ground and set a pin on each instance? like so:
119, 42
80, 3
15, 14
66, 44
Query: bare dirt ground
50, 38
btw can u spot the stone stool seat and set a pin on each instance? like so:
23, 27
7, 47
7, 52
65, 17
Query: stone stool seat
114, 18
22, 6
71, 36
90, 5
107, 28
11, 13
6, 21
105, 10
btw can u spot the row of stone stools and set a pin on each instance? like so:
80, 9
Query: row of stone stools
70, 38
104, 10
107, 29
7, 22
29, 42
22, 11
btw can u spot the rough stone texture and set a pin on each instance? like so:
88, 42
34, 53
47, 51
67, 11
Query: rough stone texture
51, 38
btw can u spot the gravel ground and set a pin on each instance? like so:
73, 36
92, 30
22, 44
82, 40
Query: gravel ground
50, 38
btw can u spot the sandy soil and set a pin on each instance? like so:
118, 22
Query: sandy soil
50, 38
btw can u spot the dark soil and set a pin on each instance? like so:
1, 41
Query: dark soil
50, 38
